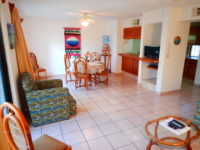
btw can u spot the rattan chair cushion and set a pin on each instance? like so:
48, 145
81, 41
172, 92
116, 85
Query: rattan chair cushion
17, 135
46, 142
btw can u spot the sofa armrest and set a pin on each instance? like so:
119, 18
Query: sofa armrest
47, 84
40, 98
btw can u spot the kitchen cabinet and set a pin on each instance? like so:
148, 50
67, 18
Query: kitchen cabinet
190, 68
132, 33
130, 63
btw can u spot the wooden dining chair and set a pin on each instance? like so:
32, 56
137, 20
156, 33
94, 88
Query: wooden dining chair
18, 134
87, 56
67, 68
103, 73
36, 68
81, 73
95, 56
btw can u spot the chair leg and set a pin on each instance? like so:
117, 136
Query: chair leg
95, 79
45, 74
70, 77
76, 83
86, 83
66, 77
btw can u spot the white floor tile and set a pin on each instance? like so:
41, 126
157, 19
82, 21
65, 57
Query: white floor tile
134, 134
52, 130
81, 146
92, 133
100, 144
74, 138
101, 119
127, 147
109, 128
118, 139
86, 123
124, 124
69, 127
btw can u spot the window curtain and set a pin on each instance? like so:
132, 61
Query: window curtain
24, 62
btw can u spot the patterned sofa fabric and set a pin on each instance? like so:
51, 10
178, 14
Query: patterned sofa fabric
47, 84
50, 102
197, 115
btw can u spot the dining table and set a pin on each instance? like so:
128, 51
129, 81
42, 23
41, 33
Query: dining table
92, 67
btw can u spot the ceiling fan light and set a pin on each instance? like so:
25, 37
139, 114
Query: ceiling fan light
85, 23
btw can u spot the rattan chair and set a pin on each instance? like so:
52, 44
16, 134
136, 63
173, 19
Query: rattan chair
95, 56
36, 68
67, 68
81, 73
103, 74
18, 134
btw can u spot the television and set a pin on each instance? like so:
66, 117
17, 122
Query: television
152, 52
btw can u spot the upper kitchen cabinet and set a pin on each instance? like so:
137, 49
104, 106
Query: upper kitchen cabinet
194, 35
132, 33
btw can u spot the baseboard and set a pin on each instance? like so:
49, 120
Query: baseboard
168, 93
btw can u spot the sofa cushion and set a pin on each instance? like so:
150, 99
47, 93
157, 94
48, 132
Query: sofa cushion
28, 83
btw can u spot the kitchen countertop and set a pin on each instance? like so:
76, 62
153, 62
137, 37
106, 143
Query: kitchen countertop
193, 58
130, 55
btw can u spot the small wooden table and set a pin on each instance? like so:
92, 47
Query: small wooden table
105, 61
171, 140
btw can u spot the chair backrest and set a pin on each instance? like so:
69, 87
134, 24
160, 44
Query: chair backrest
34, 61
28, 83
95, 56
87, 56
67, 62
80, 65
15, 127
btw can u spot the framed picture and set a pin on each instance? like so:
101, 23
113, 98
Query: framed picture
11, 35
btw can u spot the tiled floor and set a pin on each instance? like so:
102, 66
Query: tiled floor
113, 117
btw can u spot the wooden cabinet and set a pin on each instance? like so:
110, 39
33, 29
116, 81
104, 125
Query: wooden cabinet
132, 33
195, 35
190, 68
130, 63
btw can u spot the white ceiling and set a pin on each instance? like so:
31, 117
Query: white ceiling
106, 9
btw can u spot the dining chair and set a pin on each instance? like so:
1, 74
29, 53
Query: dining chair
95, 56
68, 68
18, 134
87, 56
36, 68
103, 73
81, 72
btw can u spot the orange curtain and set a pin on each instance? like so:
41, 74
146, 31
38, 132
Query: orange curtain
24, 62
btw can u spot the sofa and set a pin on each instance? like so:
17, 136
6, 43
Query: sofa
47, 100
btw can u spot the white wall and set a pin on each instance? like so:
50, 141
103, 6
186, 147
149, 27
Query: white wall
10, 54
172, 56
188, 13
45, 37
155, 16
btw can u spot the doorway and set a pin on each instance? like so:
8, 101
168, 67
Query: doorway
5, 91
191, 66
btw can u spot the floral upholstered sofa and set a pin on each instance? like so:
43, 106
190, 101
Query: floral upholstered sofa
47, 100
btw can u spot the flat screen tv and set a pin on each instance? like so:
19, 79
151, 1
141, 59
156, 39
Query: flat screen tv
152, 52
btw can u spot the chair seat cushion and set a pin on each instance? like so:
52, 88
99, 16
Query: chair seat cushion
46, 142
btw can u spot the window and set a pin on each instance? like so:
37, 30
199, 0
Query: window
195, 51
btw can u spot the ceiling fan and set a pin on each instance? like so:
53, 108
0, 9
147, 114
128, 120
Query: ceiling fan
87, 16
86, 20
